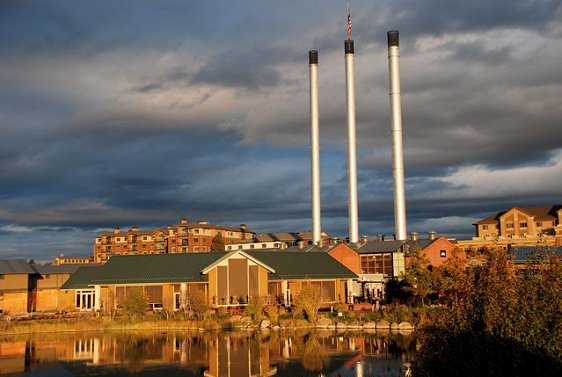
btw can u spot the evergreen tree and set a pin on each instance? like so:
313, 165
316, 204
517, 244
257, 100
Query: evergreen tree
218, 243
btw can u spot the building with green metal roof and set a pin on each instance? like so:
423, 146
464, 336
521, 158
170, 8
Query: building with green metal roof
226, 279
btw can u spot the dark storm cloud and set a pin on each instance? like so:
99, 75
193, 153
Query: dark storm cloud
441, 16
238, 69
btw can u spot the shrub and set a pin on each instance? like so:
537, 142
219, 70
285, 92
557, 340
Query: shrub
198, 305
308, 302
255, 309
135, 304
273, 312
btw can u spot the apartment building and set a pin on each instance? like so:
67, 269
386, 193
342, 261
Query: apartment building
180, 238
518, 226
281, 240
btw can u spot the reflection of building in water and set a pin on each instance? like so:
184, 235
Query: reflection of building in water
237, 355
13, 357
218, 354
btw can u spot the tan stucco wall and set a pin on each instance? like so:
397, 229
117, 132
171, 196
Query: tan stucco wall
212, 292
54, 299
263, 273
52, 281
47, 299
15, 302
14, 281
168, 296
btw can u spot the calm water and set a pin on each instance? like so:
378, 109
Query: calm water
246, 353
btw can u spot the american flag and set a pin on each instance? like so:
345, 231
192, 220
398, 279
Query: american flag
349, 26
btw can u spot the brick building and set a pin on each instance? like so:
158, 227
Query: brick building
180, 238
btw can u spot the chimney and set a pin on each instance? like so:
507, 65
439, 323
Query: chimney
314, 147
380, 237
431, 235
397, 148
351, 142
116, 230
170, 230
183, 221
364, 238
413, 236
134, 228
243, 226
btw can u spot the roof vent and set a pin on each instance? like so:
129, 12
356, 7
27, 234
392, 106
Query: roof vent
380, 237
431, 235
413, 236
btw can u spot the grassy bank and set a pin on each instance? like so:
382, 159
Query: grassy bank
214, 322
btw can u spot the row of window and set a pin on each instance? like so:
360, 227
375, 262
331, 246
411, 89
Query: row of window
522, 224
253, 246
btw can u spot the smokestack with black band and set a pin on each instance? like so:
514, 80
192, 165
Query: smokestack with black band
351, 142
397, 149
314, 147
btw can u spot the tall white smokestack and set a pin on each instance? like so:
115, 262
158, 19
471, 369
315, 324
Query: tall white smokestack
397, 150
314, 147
351, 142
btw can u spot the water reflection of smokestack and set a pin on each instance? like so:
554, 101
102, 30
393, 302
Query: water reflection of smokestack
397, 149
360, 369
314, 147
351, 142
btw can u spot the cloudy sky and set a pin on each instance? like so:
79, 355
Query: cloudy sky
120, 113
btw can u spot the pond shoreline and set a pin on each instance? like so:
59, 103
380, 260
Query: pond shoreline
41, 326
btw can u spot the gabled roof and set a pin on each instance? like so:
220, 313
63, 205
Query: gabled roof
541, 213
191, 267
417, 245
82, 277
302, 265
156, 268
231, 254
15, 266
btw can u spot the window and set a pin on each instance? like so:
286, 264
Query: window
196, 248
239, 247
377, 264
251, 246
523, 224
539, 224
509, 225
229, 248
443, 253
484, 227
264, 246
196, 240
196, 231
144, 238
1, 277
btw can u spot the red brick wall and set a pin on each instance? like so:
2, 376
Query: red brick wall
346, 256
433, 252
